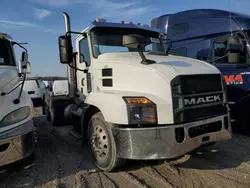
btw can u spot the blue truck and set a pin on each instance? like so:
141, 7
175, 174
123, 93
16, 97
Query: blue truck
203, 34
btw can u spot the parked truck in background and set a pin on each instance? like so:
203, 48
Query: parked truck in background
16, 108
46, 83
36, 90
56, 97
131, 102
203, 34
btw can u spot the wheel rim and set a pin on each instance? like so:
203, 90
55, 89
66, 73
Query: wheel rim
99, 143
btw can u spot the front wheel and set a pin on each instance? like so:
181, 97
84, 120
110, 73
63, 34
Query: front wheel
101, 144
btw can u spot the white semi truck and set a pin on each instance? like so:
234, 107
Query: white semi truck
129, 102
16, 108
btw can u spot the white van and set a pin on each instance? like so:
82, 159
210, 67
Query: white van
60, 87
33, 88
46, 83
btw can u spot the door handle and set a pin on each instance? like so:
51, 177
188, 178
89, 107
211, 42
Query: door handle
82, 82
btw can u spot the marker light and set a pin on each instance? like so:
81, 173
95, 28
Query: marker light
137, 100
100, 20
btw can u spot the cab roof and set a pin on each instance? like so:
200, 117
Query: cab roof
183, 25
207, 13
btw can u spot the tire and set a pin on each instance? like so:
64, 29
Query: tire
102, 145
28, 160
47, 112
55, 116
40, 102
43, 106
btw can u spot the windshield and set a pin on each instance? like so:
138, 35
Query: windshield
6, 56
108, 40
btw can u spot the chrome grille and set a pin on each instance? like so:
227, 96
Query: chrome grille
198, 86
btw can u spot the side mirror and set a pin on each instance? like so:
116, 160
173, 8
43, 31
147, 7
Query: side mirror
24, 64
28, 68
234, 48
134, 41
24, 57
65, 49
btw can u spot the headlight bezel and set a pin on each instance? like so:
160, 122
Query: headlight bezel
131, 106
26, 112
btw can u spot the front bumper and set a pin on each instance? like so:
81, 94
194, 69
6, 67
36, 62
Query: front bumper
161, 142
17, 143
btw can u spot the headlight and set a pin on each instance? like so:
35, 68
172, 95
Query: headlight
141, 110
15, 116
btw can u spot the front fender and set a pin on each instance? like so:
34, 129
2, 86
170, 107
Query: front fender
111, 105
114, 108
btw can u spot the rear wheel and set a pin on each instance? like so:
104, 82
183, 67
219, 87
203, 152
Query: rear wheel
55, 116
101, 144
27, 161
47, 111
43, 106
57, 112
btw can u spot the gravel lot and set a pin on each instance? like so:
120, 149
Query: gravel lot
61, 162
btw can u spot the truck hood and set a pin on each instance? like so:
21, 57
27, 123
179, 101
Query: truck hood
8, 78
168, 66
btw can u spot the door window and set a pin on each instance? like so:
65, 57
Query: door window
84, 51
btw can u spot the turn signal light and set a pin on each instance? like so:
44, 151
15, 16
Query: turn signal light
137, 100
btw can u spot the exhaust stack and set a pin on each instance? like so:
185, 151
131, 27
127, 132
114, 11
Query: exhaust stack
67, 23
70, 71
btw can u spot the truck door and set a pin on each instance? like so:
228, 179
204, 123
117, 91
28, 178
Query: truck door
83, 59
236, 75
